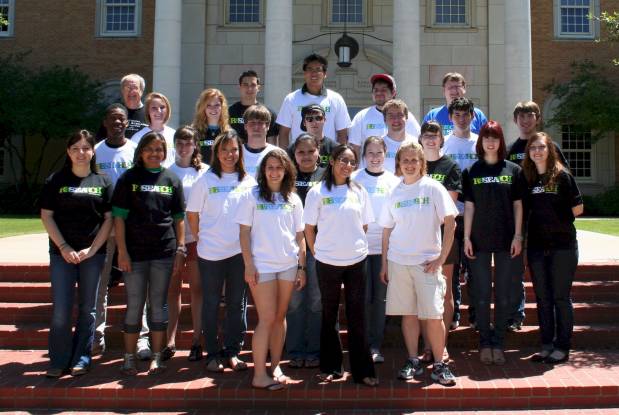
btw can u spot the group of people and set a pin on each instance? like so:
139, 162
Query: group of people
294, 207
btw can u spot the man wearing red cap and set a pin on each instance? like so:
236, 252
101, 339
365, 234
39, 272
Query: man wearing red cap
370, 121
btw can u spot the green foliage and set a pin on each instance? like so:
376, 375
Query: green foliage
48, 103
588, 101
610, 22
603, 204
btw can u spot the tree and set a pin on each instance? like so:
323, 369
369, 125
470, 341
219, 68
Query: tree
588, 101
39, 108
610, 22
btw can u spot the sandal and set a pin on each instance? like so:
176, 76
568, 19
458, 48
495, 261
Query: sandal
237, 364
275, 386
328, 377
128, 367
168, 352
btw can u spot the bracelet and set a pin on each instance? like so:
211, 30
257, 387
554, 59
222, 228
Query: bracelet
63, 245
466, 238
518, 238
301, 267
181, 248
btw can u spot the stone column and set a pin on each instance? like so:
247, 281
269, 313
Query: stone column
518, 73
406, 53
277, 52
167, 54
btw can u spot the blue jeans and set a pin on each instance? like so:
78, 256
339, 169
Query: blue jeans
213, 274
375, 303
505, 269
304, 317
63, 353
552, 273
150, 277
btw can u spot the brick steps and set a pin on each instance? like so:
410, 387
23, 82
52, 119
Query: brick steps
589, 380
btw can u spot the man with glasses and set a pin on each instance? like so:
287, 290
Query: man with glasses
454, 86
313, 92
249, 86
313, 120
370, 121
131, 90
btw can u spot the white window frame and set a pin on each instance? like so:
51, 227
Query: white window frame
469, 9
101, 21
228, 23
592, 158
11, 19
366, 7
594, 26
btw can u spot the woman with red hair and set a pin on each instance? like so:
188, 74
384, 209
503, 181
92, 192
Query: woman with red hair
493, 190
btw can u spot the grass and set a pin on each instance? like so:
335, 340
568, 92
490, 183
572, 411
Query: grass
607, 226
11, 225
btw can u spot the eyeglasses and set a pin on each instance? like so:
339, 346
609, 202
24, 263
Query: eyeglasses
312, 118
347, 161
430, 136
538, 148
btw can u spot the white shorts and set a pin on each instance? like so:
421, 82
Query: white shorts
287, 275
413, 292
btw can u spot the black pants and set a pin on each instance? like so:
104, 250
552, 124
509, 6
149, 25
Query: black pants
330, 280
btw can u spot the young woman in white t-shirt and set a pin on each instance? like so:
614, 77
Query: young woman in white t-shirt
270, 217
210, 211
158, 111
412, 265
337, 214
189, 168
378, 182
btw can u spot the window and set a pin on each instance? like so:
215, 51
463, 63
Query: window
576, 145
119, 18
572, 19
7, 11
248, 12
450, 12
349, 12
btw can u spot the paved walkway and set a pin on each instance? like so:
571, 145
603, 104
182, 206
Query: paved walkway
33, 249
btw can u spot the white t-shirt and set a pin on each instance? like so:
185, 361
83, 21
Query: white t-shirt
336, 112
371, 122
168, 134
462, 151
252, 160
216, 200
114, 161
273, 230
379, 188
188, 176
416, 212
340, 214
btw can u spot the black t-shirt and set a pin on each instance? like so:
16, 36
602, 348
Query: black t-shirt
305, 181
326, 148
137, 121
236, 111
79, 205
446, 172
207, 139
516, 153
149, 202
551, 221
493, 188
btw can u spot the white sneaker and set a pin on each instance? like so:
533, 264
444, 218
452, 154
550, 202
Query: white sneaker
377, 356
144, 352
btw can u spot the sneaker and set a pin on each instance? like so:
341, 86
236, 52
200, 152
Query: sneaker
97, 348
454, 325
79, 370
144, 352
168, 352
377, 357
156, 364
195, 353
442, 374
128, 367
411, 368
540, 356
215, 365
54, 372
514, 326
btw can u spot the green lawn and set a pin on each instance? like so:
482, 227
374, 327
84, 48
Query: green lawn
607, 226
11, 225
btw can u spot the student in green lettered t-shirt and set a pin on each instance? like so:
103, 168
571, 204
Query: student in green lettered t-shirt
148, 209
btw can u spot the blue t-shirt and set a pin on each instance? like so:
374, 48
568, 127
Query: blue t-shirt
441, 115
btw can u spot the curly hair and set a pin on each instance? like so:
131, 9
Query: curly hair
200, 121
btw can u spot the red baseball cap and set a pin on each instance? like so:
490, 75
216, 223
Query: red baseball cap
385, 78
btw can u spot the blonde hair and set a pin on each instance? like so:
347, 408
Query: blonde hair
200, 122
414, 147
152, 96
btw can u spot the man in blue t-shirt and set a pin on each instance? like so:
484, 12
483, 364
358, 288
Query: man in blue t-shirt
454, 86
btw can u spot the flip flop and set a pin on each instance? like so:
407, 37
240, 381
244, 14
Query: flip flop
275, 386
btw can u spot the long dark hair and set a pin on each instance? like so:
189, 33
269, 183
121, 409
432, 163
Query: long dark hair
187, 132
78, 136
553, 165
229, 135
146, 140
328, 176
290, 176
491, 129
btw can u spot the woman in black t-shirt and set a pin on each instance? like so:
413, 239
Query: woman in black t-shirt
148, 209
210, 119
552, 200
305, 310
75, 210
493, 190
